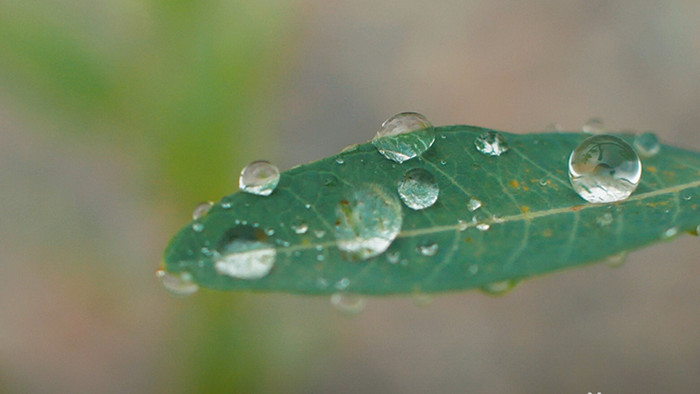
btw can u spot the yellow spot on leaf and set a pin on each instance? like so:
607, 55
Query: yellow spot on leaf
525, 209
514, 184
652, 169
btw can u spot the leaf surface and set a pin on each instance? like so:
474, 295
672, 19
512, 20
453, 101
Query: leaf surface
538, 224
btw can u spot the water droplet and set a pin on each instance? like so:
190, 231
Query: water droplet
604, 169
368, 223
320, 233
543, 182
647, 144
350, 304
393, 257
422, 299
339, 160
322, 283
593, 126
404, 136
201, 209
616, 260
342, 284
604, 220
319, 248
687, 195
430, 249
462, 225
443, 162
269, 232
226, 204
499, 288
259, 177
300, 227
197, 227
670, 233
418, 189
178, 284
320, 257
245, 257
491, 143
473, 204
307, 206
473, 269
483, 227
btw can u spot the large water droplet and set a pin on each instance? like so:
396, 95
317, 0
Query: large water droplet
404, 136
593, 126
499, 288
368, 223
491, 143
259, 177
647, 144
418, 189
350, 304
244, 256
473, 204
430, 249
201, 209
604, 169
179, 284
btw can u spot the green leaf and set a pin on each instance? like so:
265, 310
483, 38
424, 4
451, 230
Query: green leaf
537, 222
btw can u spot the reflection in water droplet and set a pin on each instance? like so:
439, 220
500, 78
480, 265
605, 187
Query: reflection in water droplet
197, 227
201, 209
593, 126
259, 177
404, 136
647, 144
422, 299
499, 288
368, 223
491, 143
604, 220
473, 204
604, 169
670, 233
179, 284
348, 303
616, 260
246, 259
300, 227
430, 249
418, 189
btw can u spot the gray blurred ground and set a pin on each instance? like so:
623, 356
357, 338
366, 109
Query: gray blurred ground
514, 66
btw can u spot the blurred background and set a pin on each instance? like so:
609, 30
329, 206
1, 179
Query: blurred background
118, 117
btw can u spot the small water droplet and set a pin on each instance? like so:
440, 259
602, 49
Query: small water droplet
259, 177
430, 249
342, 284
593, 126
339, 160
226, 204
320, 233
473, 204
320, 257
300, 227
201, 209
404, 136
418, 189
393, 257
616, 260
687, 195
322, 283
604, 169
307, 206
604, 220
422, 299
491, 143
647, 144
349, 304
473, 269
177, 284
543, 182
499, 288
483, 226
462, 225
269, 232
443, 162
670, 233
319, 248
244, 257
368, 223
197, 227
206, 251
